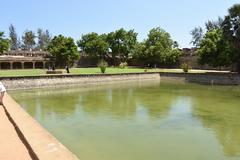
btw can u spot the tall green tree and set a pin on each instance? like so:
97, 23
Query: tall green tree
139, 54
231, 30
157, 49
44, 39
210, 24
94, 45
14, 43
121, 43
197, 35
64, 50
214, 50
4, 43
28, 40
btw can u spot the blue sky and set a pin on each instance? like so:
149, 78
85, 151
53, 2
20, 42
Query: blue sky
76, 17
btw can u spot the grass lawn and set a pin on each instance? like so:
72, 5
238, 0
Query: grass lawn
37, 72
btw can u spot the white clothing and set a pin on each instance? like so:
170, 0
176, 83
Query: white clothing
2, 88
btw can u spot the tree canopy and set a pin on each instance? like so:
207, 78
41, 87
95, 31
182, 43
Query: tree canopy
197, 35
231, 30
4, 43
157, 49
28, 40
94, 45
121, 43
14, 42
64, 50
220, 45
214, 49
44, 39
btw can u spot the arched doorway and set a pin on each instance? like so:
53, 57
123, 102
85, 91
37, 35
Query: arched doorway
39, 65
5, 65
28, 65
17, 65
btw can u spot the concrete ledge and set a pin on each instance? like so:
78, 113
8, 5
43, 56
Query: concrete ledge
54, 72
211, 78
82, 79
42, 144
66, 80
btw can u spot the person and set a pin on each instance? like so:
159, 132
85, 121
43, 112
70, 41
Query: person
2, 92
67, 69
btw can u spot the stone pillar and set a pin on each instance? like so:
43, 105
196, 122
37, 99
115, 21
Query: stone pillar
33, 65
44, 65
11, 65
22, 65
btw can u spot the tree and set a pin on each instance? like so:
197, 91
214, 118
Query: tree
231, 30
64, 50
14, 43
214, 49
94, 45
139, 53
197, 35
28, 40
121, 43
175, 44
44, 39
210, 24
157, 49
4, 43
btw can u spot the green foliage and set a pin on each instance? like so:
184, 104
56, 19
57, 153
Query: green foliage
64, 50
214, 49
231, 30
94, 45
139, 53
211, 25
175, 44
103, 66
221, 44
44, 39
158, 49
185, 67
14, 43
4, 43
197, 36
123, 65
231, 25
121, 43
28, 40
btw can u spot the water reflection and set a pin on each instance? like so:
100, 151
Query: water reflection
221, 116
151, 120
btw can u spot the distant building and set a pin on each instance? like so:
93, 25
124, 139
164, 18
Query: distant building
25, 60
189, 56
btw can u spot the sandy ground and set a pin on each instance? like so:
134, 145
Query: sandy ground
11, 147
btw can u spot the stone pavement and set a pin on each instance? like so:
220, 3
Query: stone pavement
39, 143
11, 147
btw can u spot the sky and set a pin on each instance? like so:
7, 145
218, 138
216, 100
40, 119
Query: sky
77, 17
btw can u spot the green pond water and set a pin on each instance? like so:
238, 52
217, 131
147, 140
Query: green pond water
140, 121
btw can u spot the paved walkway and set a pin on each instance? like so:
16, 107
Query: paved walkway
41, 144
11, 147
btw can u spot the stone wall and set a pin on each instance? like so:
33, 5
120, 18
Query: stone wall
66, 80
204, 78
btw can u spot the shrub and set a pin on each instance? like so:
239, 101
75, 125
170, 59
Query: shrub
123, 65
185, 67
102, 65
